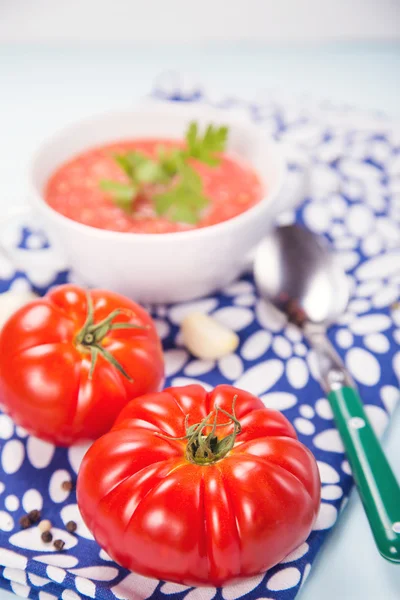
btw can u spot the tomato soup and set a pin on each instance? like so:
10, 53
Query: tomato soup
232, 187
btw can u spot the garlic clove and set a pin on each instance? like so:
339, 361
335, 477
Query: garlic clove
206, 338
10, 302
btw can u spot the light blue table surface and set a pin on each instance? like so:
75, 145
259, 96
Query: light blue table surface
43, 87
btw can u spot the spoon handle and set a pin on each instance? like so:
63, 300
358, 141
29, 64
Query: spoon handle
376, 482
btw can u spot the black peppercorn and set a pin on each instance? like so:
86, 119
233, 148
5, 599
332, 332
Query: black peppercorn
59, 544
46, 537
68, 486
71, 526
25, 522
34, 516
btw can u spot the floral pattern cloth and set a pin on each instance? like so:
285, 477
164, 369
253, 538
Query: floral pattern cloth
347, 165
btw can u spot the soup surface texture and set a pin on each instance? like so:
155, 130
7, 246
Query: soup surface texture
232, 187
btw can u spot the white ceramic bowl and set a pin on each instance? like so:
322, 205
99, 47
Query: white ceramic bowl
168, 267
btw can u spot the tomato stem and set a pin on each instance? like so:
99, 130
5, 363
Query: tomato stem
92, 334
204, 449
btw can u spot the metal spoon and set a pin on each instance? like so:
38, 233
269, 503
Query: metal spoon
296, 272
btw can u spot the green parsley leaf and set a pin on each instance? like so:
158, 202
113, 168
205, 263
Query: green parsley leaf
185, 201
207, 147
125, 163
123, 194
140, 168
172, 160
148, 171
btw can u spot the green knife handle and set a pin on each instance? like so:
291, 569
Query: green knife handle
377, 485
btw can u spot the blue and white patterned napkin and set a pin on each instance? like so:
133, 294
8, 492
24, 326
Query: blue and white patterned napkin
353, 199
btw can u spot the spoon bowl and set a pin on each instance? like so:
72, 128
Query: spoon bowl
295, 270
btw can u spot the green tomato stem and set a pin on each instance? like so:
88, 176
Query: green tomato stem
92, 334
205, 449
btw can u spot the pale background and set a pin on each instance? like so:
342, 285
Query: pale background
198, 20
61, 60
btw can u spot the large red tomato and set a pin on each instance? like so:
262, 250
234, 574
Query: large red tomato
199, 487
70, 361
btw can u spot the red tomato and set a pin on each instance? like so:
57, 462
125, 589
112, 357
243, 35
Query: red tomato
65, 374
178, 501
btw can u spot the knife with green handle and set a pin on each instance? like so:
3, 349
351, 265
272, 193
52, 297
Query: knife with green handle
375, 480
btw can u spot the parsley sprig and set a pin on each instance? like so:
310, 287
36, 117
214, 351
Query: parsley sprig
181, 197
206, 148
